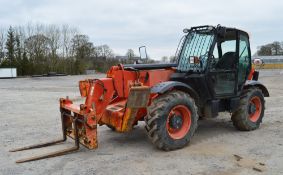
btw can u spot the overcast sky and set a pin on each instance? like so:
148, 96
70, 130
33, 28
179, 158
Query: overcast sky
158, 24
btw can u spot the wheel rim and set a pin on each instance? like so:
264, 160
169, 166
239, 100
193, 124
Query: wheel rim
178, 122
255, 108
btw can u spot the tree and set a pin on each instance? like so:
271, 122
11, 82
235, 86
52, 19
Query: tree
10, 45
164, 59
107, 51
103, 51
26, 66
18, 49
264, 50
18, 55
53, 34
37, 48
98, 52
81, 46
172, 59
276, 48
67, 34
83, 50
2, 45
130, 54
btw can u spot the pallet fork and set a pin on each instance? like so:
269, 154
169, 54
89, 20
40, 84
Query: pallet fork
55, 153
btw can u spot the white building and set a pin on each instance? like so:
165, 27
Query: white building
8, 72
270, 59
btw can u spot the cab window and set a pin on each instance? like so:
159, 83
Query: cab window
244, 58
225, 52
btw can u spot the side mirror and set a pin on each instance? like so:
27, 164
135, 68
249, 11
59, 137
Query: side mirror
143, 53
257, 62
194, 60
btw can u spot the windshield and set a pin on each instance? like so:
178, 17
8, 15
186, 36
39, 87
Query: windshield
195, 50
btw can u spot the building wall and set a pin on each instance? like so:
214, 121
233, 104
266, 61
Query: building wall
271, 59
271, 62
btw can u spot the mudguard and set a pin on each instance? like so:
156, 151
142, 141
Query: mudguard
258, 84
163, 87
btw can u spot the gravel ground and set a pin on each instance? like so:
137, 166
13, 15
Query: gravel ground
29, 114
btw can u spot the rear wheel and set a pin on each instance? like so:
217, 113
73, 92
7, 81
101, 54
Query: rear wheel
251, 110
172, 120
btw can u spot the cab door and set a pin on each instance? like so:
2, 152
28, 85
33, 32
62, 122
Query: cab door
223, 67
244, 65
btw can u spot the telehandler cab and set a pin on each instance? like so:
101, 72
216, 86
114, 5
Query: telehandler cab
212, 73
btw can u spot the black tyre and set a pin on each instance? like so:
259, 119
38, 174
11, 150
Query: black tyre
251, 110
172, 120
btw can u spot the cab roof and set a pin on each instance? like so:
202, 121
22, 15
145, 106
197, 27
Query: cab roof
216, 28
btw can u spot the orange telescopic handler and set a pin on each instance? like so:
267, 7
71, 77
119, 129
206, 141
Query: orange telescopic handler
212, 73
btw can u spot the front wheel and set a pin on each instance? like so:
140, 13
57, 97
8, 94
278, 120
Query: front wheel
251, 110
172, 120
